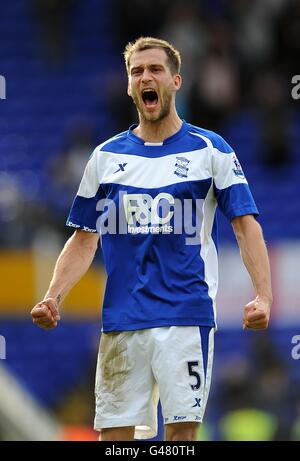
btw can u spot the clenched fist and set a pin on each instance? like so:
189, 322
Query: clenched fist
257, 314
45, 314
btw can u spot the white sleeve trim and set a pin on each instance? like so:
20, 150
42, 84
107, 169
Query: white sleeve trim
89, 184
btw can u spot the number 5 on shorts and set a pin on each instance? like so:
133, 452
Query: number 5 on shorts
194, 373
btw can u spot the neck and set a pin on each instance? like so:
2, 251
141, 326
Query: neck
158, 131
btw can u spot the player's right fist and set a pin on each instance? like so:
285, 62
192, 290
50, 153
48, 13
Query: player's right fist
45, 314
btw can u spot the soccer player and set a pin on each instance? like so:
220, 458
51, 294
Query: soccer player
152, 193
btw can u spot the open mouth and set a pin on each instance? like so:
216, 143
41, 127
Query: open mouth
150, 98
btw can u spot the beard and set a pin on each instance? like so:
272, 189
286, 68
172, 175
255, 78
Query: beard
153, 117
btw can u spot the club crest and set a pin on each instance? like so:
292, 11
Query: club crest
181, 167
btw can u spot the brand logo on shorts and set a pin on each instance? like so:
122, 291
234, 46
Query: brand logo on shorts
179, 418
197, 404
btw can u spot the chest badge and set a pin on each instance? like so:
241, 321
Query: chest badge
181, 167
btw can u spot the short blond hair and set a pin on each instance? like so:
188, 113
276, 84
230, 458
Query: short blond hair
147, 43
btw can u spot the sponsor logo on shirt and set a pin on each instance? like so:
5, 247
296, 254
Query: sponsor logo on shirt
137, 214
145, 214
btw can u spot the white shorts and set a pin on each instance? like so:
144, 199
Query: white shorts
136, 368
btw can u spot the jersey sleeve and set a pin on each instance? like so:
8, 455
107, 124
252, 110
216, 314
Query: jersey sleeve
84, 214
231, 188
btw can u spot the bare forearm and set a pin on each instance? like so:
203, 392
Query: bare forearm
254, 254
73, 262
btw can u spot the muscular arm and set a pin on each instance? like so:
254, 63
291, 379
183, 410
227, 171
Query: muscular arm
255, 257
73, 262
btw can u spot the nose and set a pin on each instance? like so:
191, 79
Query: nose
146, 77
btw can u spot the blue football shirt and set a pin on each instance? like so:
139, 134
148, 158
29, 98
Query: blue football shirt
154, 206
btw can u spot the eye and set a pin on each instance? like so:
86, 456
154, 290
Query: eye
156, 69
136, 71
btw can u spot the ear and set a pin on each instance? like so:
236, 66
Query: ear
128, 90
177, 81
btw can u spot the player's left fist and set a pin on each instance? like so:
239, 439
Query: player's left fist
257, 314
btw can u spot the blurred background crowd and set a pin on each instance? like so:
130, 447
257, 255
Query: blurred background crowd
66, 93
